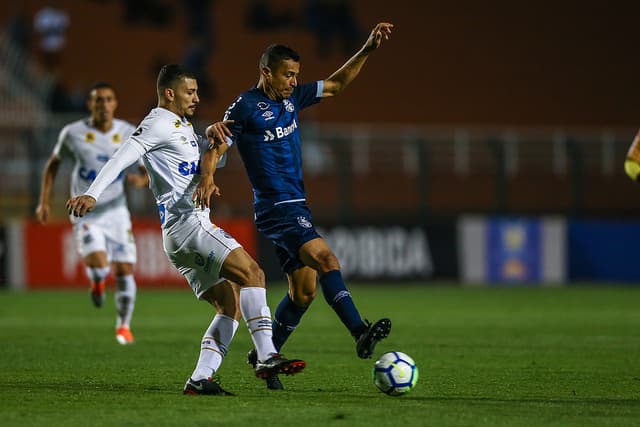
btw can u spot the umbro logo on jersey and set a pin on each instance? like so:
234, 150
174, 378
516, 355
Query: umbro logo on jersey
268, 115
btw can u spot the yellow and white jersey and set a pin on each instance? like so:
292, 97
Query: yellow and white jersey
90, 150
172, 152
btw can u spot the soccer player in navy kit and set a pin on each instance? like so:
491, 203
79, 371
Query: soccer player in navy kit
264, 124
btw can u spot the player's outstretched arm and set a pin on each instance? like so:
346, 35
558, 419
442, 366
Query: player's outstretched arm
340, 79
48, 176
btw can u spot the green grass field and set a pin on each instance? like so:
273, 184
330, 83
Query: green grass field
487, 357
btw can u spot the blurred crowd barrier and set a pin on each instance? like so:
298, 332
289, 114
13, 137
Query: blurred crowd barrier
383, 172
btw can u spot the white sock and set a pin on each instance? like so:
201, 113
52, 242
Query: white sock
97, 274
125, 299
256, 313
214, 346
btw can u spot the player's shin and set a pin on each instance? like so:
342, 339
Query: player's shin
125, 299
214, 345
285, 320
256, 314
339, 298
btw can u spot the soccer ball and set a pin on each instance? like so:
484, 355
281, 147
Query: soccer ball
395, 373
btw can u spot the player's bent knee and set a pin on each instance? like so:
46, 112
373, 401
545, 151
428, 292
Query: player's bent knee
327, 261
303, 299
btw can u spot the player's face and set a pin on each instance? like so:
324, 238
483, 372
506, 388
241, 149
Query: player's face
102, 104
284, 78
185, 97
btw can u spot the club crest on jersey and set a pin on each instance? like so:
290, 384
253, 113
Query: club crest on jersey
304, 222
288, 105
262, 105
90, 137
116, 138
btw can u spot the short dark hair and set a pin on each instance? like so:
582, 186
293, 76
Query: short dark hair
277, 53
100, 85
169, 75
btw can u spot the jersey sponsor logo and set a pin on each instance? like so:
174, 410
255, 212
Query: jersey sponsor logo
90, 137
268, 136
304, 222
286, 130
261, 105
116, 138
189, 168
102, 158
288, 105
177, 123
280, 131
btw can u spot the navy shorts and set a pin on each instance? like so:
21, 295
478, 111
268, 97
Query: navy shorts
288, 226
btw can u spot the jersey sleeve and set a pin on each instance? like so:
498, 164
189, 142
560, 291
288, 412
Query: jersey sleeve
308, 94
151, 134
62, 148
238, 112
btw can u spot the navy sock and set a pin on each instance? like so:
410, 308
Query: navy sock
285, 320
339, 298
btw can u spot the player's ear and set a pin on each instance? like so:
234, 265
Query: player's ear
266, 72
169, 94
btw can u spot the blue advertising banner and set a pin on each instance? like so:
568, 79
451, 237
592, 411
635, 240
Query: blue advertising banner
604, 250
513, 250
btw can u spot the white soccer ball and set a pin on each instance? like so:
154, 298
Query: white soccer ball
395, 373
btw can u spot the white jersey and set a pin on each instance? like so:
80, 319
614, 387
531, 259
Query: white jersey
90, 149
171, 152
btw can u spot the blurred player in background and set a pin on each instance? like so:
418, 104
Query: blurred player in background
265, 128
181, 166
104, 237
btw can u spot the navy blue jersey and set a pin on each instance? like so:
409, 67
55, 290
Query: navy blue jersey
266, 132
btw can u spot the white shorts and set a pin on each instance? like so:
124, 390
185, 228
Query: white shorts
108, 232
197, 248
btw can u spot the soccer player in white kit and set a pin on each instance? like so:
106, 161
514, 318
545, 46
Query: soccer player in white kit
181, 166
104, 236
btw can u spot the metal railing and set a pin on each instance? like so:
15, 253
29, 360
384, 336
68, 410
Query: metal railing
382, 171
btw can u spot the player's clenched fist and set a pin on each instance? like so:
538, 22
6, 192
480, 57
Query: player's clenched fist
80, 205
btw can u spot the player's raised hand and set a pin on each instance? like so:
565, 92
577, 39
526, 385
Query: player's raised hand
80, 205
381, 31
218, 132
